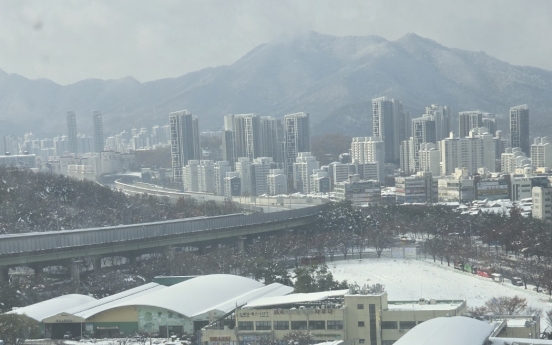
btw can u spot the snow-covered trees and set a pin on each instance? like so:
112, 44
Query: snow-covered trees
316, 278
15, 329
45, 202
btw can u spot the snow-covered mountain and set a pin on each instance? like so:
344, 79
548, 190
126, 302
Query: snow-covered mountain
333, 78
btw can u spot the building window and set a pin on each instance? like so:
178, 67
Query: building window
337, 324
389, 325
360, 306
362, 341
262, 326
317, 324
361, 324
245, 325
407, 324
281, 325
298, 324
372, 314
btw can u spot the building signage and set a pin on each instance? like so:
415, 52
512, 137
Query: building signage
253, 314
219, 338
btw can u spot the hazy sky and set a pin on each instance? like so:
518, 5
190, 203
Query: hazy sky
67, 41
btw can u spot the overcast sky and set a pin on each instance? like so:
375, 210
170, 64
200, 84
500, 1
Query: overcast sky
67, 41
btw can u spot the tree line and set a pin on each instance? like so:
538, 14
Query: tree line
47, 202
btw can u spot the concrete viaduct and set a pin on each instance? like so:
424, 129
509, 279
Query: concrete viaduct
38, 250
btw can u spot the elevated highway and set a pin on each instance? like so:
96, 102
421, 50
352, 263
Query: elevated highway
40, 249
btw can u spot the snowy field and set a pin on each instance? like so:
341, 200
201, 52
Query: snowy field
412, 279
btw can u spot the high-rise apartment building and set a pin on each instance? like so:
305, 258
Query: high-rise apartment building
229, 140
519, 128
72, 145
512, 159
367, 150
470, 153
423, 131
441, 115
260, 169
303, 167
490, 122
247, 135
468, 120
391, 124
429, 159
98, 131
542, 202
272, 137
243, 168
277, 182
184, 141
541, 153
206, 176
297, 138
221, 168
190, 176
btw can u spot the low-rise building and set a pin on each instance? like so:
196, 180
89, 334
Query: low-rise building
358, 191
23, 161
419, 188
364, 316
456, 187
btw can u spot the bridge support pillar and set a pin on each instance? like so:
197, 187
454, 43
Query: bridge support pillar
201, 248
97, 264
38, 269
240, 244
74, 270
168, 252
4, 274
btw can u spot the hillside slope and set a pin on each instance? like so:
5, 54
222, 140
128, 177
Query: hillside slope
333, 78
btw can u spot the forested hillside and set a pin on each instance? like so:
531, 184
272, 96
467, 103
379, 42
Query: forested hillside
46, 202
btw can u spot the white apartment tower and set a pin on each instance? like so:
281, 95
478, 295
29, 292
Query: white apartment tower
206, 176
429, 159
184, 141
277, 182
260, 169
229, 140
221, 168
72, 146
303, 167
542, 202
470, 153
190, 176
98, 131
243, 168
367, 150
512, 159
541, 153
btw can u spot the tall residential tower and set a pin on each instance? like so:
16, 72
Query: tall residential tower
72, 132
98, 131
184, 141
519, 128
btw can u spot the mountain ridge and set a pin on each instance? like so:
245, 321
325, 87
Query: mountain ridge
333, 78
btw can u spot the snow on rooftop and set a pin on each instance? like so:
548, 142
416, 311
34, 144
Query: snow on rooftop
272, 290
44, 309
414, 305
457, 330
295, 298
197, 295
97, 306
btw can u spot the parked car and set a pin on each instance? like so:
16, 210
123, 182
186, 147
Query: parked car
517, 281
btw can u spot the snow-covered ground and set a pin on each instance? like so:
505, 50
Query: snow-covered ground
412, 279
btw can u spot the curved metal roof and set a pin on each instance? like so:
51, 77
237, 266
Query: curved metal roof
44, 309
456, 330
202, 294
